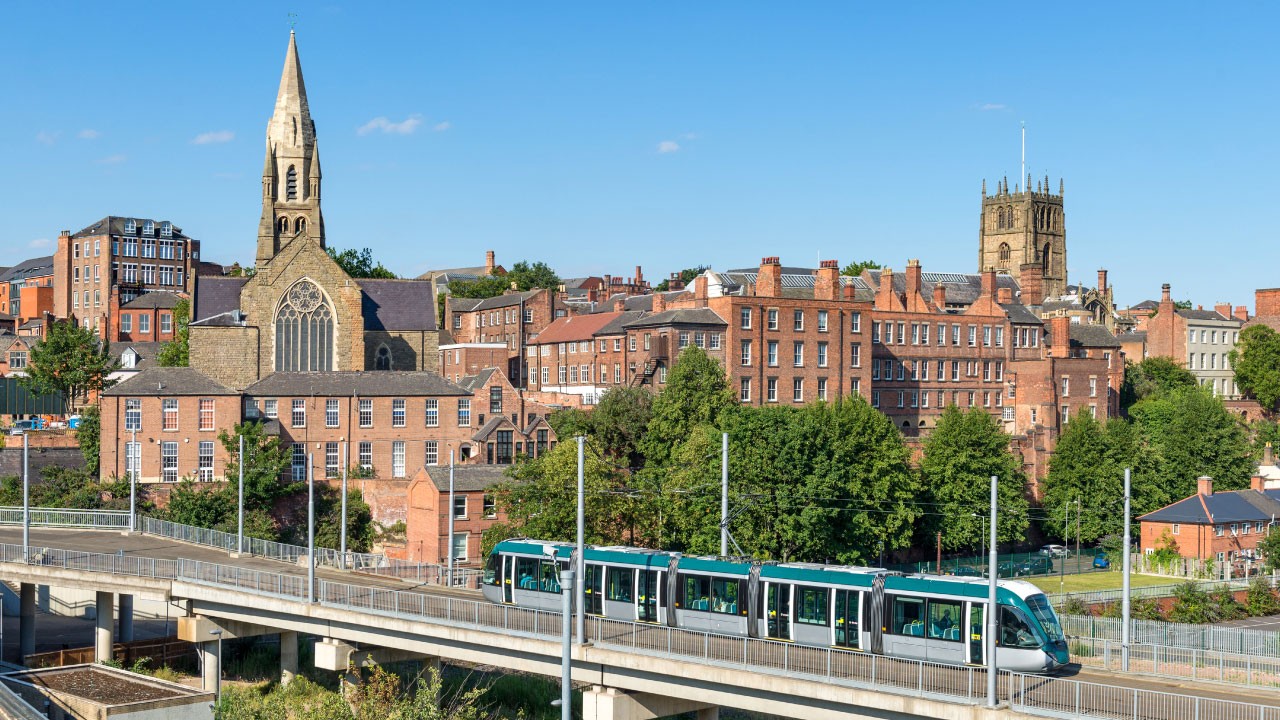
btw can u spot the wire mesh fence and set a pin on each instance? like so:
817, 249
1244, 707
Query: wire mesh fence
1010, 565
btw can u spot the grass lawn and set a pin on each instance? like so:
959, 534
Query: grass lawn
1110, 580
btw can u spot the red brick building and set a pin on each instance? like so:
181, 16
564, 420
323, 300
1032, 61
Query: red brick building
427, 535
1200, 340
146, 318
457, 360
1214, 525
26, 289
514, 319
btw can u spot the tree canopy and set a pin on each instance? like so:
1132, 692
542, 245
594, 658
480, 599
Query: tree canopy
686, 276
360, 263
71, 362
485, 287
177, 352
1152, 376
697, 393
527, 276
1256, 360
1194, 434
854, 269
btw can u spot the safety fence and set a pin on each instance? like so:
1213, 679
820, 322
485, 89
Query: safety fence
1055, 697
60, 517
1011, 565
293, 554
1096, 597
1170, 634
1189, 663
426, 573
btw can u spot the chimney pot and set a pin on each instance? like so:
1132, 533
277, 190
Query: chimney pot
940, 296
769, 278
1102, 281
700, 287
1164, 293
489, 262
1204, 485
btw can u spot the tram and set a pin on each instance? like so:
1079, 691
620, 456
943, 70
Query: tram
923, 617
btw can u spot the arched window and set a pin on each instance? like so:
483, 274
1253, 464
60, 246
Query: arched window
304, 330
299, 225
1008, 215
291, 184
1004, 254
383, 359
1044, 259
282, 225
1000, 218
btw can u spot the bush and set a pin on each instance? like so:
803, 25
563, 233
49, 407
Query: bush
1262, 599
1075, 606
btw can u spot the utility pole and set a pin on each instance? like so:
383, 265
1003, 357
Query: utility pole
580, 576
992, 609
1062, 569
566, 642
26, 503
342, 542
133, 488
1077, 534
311, 529
240, 504
1124, 603
452, 513
938, 567
724, 494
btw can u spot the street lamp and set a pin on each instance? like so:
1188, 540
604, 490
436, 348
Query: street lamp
566, 636
217, 677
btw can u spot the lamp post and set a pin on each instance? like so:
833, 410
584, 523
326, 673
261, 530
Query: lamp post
724, 494
992, 608
133, 487
240, 503
342, 542
26, 504
311, 529
580, 576
452, 513
566, 636
217, 677
1124, 601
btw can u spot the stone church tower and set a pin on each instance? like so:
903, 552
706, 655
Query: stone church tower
291, 172
1022, 234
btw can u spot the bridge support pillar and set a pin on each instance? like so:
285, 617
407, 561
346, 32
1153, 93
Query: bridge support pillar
126, 616
26, 621
601, 703
103, 636
210, 665
288, 657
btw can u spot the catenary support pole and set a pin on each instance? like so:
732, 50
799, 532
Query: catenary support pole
133, 492
724, 494
240, 504
580, 577
342, 542
566, 645
452, 513
1124, 601
311, 528
992, 610
26, 503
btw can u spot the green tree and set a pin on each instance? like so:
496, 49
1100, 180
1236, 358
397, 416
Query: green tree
854, 269
618, 424
1194, 434
1269, 547
177, 352
1265, 431
1152, 377
485, 287
201, 505
960, 456
360, 528
89, 436
686, 276
1256, 360
360, 263
528, 276
697, 393
266, 460
71, 362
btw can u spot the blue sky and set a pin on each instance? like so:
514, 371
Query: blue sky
599, 136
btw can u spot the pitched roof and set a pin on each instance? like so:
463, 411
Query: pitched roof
493, 423
617, 325
962, 288
576, 327
217, 295
1145, 305
634, 303
679, 316
467, 478
365, 383
146, 352
798, 284
471, 382
1019, 313
1223, 507
500, 301
29, 268
114, 225
153, 300
1202, 315
1092, 336
398, 305
158, 381
1134, 336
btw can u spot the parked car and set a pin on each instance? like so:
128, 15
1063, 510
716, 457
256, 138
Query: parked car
963, 571
1055, 551
1035, 566
1101, 562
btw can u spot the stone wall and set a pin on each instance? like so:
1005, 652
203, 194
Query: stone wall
38, 458
226, 354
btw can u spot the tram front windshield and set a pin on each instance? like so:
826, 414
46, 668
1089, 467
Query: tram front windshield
1044, 614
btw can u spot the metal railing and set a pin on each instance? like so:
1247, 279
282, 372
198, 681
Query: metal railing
292, 554
59, 517
1170, 634
1066, 698
1191, 663
1091, 597
1034, 694
426, 573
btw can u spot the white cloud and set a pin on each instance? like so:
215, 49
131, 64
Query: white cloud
114, 159
689, 136
667, 146
47, 137
88, 134
441, 126
217, 136
387, 127
39, 243
991, 106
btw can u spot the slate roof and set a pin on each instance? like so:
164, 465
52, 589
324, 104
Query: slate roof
1092, 336
1051, 305
786, 270
113, 225
157, 381
32, 323
679, 316
501, 301
375, 383
146, 351
1019, 313
153, 300
636, 303
398, 305
29, 268
1145, 305
962, 288
467, 478
494, 423
1135, 336
1202, 315
1220, 507
577, 327
217, 295
471, 382
617, 325
798, 284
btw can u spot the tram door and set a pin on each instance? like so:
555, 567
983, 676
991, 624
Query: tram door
976, 646
508, 578
647, 595
594, 589
846, 618
778, 611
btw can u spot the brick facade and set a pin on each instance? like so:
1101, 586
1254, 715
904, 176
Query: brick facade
428, 507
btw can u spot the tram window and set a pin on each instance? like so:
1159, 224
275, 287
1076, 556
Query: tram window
620, 582
811, 605
908, 616
1014, 631
550, 580
491, 570
527, 573
945, 620
697, 592
724, 596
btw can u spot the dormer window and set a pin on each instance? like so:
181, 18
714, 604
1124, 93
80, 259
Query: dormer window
166, 229
129, 359
148, 228
130, 227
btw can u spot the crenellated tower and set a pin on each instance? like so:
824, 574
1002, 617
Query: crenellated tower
1024, 228
291, 171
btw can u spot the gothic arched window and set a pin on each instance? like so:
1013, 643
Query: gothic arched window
304, 330
383, 359
282, 225
1044, 259
299, 225
1008, 214
1000, 218
291, 184
1004, 254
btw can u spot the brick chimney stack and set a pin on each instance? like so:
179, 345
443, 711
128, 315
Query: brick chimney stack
826, 286
489, 262
639, 276
1204, 485
850, 292
700, 287
1266, 303
884, 293
913, 280
1004, 295
989, 283
769, 279
1164, 294
940, 296
1060, 337
1242, 313
1031, 278
620, 304
659, 303
1223, 309
1102, 281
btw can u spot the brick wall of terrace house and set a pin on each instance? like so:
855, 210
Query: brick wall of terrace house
509, 403
315, 433
428, 523
458, 362
155, 323
616, 355
35, 301
841, 374
1167, 331
664, 348
1202, 541
151, 435
1267, 302
387, 499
